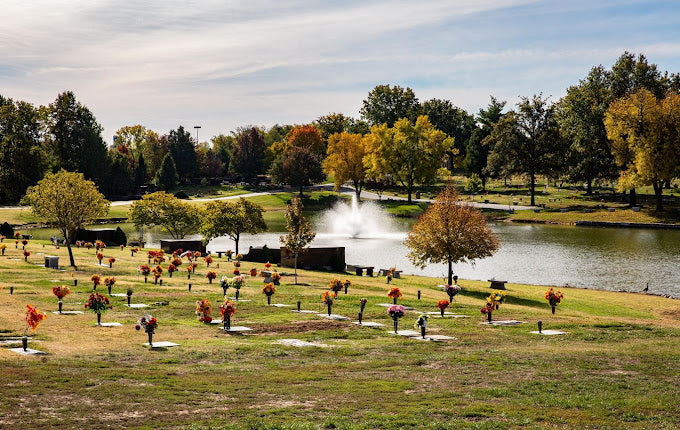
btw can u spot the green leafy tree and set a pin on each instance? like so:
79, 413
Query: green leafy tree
453, 121
529, 141
229, 218
166, 177
67, 201
120, 180
248, 154
300, 233
409, 153
298, 167
209, 164
74, 136
449, 232
223, 145
22, 158
478, 146
167, 211
581, 118
387, 105
183, 152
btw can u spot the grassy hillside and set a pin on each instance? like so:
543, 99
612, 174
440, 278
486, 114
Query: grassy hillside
616, 367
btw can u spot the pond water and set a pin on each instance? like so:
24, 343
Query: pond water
588, 257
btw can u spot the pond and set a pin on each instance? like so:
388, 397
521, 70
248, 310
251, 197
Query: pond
588, 257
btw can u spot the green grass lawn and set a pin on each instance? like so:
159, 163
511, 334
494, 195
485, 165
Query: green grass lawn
616, 368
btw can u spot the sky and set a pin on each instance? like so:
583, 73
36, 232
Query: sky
227, 64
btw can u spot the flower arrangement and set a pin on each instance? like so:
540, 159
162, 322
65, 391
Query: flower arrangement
394, 294
193, 266
496, 298
189, 270
109, 282
88, 245
553, 297
396, 312
347, 283
276, 278
96, 280
176, 252
253, 272
327, 299
157, 273
61, 291
100, 257
149, 324
176, 262
145, 270
227, 309
203, 310
122, 247
24, 242
98, 304
2, 238
197, 254
452, 291
111, 261
128, 293
33, 319
171, 269
335, 286
26, 255
2, 248
208, 259
17, 235
237, 282
237, 263
487, 310
362, 303
269, 290
421, 323
239, 257
133, 251
210, 275
229, 254
267, 265
99, 245
442, 305
236, 272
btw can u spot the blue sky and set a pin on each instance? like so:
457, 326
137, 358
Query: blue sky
225, 64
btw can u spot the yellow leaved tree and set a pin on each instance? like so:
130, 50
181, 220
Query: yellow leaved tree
345, 160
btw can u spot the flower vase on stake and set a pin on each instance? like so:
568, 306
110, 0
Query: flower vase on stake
554, 298
98, 304
452, 291
362, 304
442, 305
269, 291
394, 294
327, 299
60, 292
421, 323
129, 295
396, 312
227, 309
149, 324
33, 318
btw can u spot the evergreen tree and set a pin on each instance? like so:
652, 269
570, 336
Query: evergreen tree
183, 152
75, 137
166, 177
140, 171
248, 154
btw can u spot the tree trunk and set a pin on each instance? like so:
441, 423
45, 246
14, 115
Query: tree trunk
301, 195
483, 178
623, 197
589, 190
236, 239
357, 191
532, 189
296, 259
633, 197
658, 193
450, 272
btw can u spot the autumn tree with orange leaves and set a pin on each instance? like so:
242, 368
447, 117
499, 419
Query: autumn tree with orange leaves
450, 232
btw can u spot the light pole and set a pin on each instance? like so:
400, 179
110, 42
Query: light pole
197, 127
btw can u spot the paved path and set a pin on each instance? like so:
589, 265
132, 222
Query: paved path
373, 196
329, 187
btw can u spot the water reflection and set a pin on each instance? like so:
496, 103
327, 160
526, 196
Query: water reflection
611, 259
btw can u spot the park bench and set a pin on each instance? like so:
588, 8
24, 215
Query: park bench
359, 270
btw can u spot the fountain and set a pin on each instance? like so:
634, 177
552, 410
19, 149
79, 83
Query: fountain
356, 220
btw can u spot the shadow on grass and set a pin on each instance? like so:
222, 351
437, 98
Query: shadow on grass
482, 295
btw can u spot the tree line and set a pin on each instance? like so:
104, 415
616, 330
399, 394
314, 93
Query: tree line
616, 124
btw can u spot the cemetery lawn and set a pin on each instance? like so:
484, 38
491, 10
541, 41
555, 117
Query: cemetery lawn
617, 368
